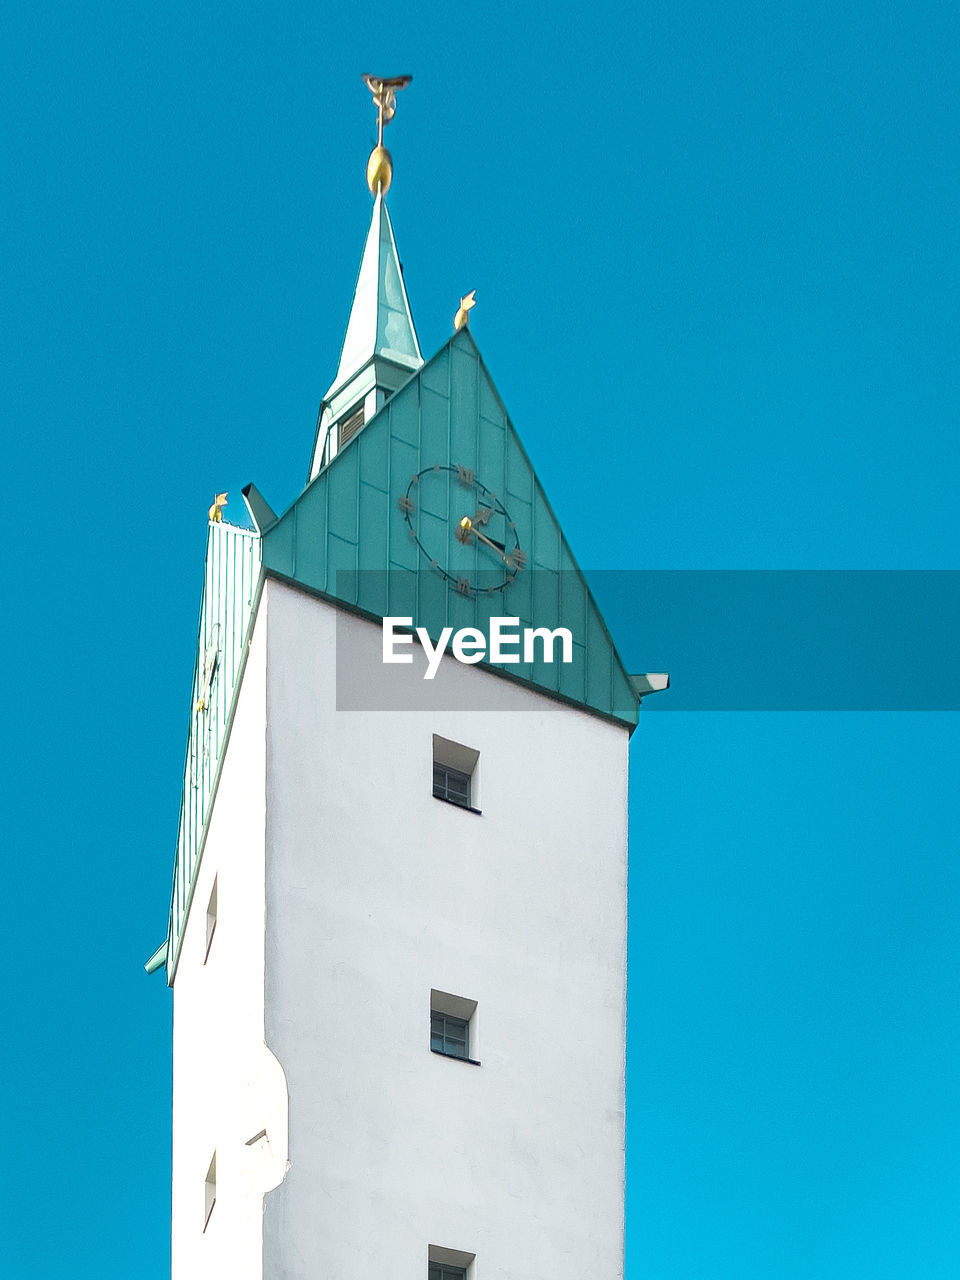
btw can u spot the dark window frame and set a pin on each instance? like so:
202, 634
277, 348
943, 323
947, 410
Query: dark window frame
450, 1035
443, 1271
452, 785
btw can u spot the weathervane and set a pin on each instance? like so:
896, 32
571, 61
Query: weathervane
380, 164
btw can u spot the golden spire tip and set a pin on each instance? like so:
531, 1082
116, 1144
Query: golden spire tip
380, 163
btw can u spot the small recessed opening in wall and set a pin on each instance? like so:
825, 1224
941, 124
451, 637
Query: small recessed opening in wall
453, 1026
211, 920
210, 1191
456, 773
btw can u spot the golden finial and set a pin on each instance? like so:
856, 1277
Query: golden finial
216, 511
380, 164
462, 318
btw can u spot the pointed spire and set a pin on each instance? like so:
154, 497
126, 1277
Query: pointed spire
380, 323
380, 349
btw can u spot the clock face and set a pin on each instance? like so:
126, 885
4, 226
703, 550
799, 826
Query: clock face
475, 545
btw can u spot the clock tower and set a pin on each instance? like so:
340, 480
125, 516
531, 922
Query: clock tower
397, 929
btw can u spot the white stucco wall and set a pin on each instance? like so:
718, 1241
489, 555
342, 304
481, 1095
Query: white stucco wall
375, 893
227, 1086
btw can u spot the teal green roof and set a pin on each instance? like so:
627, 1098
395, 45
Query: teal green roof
231, 581
348, 538
380, 322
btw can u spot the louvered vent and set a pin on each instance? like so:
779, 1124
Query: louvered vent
350, 425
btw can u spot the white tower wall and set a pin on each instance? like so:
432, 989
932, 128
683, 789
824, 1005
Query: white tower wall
376, 892
226, 1085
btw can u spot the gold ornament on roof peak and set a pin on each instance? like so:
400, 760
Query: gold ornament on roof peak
462, 318
380, 164
216, 510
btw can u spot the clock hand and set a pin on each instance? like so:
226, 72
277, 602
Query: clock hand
491, 542
515, 560
467, 527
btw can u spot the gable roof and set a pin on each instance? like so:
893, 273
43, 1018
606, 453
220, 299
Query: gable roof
346, 537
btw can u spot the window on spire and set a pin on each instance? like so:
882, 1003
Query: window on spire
349, 426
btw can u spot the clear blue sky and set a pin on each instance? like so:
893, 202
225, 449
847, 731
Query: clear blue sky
715, 251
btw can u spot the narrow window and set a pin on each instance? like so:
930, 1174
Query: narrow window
455, 773
349, 426
453, 1026
449, 1035
210, 1191
451, 784
211, 919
